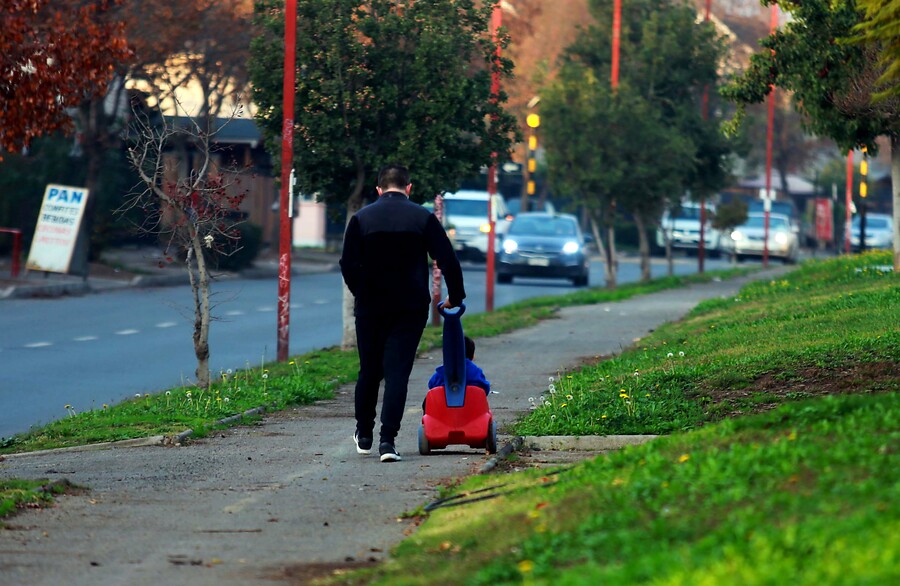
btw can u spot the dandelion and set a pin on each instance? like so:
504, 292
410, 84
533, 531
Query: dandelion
68, 407
568, 397
683, 458
168, 393
569, 376
265, 375
227, 399
531, 400
647, 395
229, 371
105, 406
188, 395
669, 355
291, 363
553, 417
603, 416
552, 390
551, 380
526, 566
137, 395
636, 373
681, 354
563, 405
146, 395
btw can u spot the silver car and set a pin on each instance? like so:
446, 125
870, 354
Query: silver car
879, 231
748, 239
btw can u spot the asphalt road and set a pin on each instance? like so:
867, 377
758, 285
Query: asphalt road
276, 502
100, 349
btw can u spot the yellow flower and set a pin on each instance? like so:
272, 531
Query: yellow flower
563, 405
603, 417
526, 566
684, 458
792, 436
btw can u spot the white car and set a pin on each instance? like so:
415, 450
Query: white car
748, 239
683, 229
466, 220
879, 231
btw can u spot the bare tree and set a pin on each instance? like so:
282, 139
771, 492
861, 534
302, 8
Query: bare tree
194, 214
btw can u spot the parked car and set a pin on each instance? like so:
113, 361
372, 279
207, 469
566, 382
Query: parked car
544, 245
466, 220
534, 205
879, 231
683, 229
748, 239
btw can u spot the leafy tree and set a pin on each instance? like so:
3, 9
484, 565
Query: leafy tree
52, 54
833, 82
377, 82
648, 142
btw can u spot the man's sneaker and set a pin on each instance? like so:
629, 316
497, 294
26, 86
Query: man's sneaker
388, 452
363, 444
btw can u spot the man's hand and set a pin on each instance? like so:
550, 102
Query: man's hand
445, 304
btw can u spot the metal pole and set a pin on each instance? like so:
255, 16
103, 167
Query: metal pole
848, 202
496, 19
767, 205
701, 245
287, 157
616, 32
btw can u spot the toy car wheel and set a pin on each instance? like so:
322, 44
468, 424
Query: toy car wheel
491, 443
424, 448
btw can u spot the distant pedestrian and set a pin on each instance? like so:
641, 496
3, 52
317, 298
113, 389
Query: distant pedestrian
385, 265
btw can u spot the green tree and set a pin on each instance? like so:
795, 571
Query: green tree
833, 82
379, 82
646, 143
881, 27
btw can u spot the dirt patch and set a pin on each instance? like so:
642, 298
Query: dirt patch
310, 574
772, 389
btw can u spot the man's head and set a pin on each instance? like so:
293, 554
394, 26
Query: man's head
394, 178
470, 348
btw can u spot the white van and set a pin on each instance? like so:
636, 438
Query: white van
466, 221
683, 229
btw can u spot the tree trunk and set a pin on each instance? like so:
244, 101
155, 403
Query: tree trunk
348, 337
601, 249
895, 188
612, 264
200, 288
643, 246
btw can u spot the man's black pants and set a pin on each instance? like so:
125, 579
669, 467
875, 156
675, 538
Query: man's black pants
387, 347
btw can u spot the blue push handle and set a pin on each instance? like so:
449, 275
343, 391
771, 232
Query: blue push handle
454, 345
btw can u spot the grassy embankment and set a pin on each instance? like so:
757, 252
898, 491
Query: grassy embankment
790, 473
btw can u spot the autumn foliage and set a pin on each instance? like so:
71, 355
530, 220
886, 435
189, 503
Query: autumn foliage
53, 55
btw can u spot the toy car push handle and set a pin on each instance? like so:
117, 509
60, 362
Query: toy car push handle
454, 345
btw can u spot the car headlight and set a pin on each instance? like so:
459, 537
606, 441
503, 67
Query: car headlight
486, 228
737, 235
781, 238
510, 246
570, 247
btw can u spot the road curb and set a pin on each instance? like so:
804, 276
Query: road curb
155, 440
573, 443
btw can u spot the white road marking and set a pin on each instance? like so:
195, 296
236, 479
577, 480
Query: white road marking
85, 338
167, 324
127, 332
265, 308
235, 312
38, 344
321, 301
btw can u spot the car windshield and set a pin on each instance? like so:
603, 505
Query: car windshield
543, 227
775, 222
466, 207
876, 223
688, 213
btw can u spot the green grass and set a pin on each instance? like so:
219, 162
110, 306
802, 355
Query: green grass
772, 484
17, 494
818, 325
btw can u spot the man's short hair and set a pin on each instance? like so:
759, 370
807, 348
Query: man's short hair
393, 176
470, 348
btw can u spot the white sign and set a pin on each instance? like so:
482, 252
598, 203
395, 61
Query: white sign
57, 229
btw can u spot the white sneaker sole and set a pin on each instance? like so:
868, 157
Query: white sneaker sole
390, 458
360, 450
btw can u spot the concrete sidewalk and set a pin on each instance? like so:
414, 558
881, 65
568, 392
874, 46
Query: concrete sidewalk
289, 498
147, 267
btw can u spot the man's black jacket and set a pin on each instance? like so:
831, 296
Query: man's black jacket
385, 257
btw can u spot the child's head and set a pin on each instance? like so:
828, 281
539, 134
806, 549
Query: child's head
470, 348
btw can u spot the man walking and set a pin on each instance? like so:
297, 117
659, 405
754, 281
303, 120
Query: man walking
385, 265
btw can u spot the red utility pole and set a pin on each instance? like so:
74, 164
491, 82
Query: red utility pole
849, 202
616, 32
767, 204
287, 159
496, 19
701, 245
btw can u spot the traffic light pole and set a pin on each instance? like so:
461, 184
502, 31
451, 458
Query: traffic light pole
287, 159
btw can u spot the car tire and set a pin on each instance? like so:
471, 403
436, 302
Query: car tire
581, 281
504, 278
